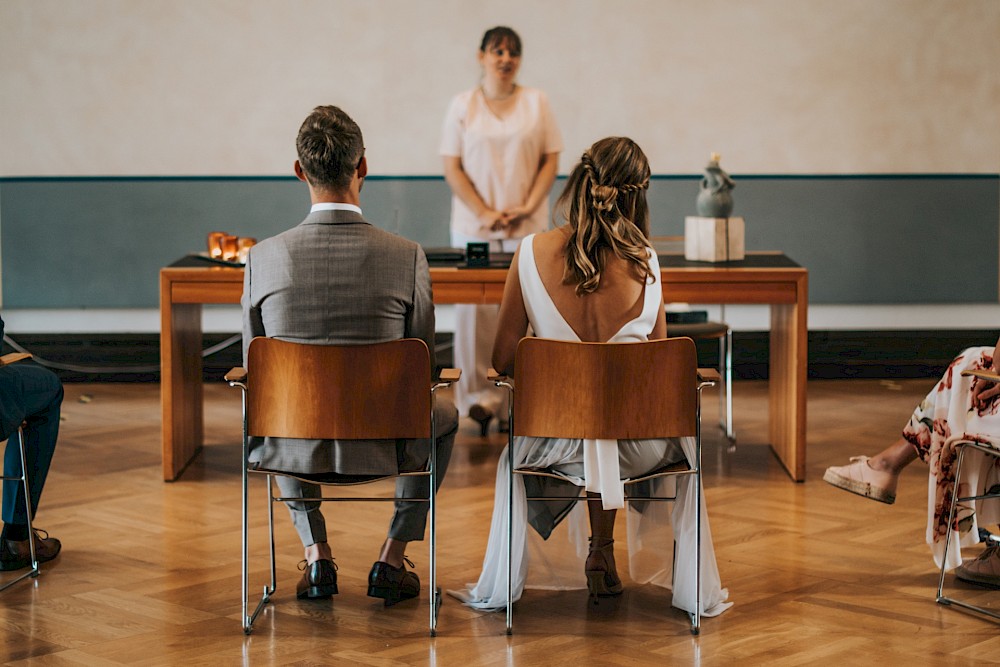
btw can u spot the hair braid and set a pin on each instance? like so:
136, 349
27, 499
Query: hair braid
605, 198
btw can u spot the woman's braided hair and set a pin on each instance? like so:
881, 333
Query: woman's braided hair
605, 205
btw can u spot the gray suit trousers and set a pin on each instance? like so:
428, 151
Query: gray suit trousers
409, 519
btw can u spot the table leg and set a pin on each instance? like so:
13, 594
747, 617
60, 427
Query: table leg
180, 385
787, 387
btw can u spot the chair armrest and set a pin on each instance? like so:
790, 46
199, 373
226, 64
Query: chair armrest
450, 375
14, 357
492, 375
499, 379
983, 374
236, 374
709, 376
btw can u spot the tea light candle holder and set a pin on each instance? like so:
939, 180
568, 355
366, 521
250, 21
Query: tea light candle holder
215, 244
244, 244
230, 248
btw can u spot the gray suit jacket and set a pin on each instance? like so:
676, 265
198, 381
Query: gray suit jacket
335, 279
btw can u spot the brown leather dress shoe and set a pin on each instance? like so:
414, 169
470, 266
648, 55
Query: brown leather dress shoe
16, 554
319, 581
393, 584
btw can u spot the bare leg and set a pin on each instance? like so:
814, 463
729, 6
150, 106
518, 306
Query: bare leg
894, 458
393, 551
602, 575
602, 532
318, 551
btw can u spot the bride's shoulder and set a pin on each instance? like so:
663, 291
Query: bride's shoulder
552, 238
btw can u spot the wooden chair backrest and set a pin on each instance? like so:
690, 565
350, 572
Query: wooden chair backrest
566, 389
356, 392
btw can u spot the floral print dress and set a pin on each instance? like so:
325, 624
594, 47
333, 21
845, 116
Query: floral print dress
945, 418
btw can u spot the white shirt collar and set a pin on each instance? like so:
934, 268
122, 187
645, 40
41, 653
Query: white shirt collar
335, 206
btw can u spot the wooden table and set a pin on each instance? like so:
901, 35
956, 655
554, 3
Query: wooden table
762, 278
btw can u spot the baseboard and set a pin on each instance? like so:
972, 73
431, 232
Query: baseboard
832, 354
858, 354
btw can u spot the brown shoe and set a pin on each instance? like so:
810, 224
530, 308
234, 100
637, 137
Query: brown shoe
16, 554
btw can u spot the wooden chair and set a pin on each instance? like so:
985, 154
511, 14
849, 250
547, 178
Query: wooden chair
987, 449
723, 334
679, 326
381, 391
23, 479
564, 389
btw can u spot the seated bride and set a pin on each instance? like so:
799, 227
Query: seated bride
593, 279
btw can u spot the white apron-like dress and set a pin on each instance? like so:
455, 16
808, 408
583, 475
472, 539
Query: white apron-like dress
601, 466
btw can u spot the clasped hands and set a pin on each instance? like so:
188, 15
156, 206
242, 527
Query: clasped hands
506, 220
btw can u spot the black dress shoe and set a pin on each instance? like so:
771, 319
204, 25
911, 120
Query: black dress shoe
392, 584
319, 581
16, 554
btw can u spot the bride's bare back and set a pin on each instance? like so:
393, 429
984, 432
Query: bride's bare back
604, 204
594, 317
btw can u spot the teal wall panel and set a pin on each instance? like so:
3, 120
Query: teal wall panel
100, 242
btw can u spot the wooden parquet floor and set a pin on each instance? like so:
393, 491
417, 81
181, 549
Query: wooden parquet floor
149, 573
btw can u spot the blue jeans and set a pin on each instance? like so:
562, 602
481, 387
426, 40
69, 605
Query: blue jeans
40, 395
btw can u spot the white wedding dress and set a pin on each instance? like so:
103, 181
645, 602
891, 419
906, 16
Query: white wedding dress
557, 563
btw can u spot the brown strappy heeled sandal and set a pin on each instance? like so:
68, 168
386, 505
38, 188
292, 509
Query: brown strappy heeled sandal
604, 582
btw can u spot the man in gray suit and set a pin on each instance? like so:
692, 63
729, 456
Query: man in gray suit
336, 279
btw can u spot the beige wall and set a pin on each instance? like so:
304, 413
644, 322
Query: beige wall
218, 87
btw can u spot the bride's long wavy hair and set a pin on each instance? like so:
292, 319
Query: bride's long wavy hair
605, 205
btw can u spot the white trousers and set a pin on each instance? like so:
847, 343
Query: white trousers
475, 331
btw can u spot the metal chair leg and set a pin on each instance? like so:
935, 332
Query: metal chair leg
34, 571
955, 499
696, 617
726, 391
435, 593
244, 569
249, 618
726, 373
268, 591
510, 531
728, 379
510, 503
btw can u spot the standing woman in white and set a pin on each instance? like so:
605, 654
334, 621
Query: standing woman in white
501, 150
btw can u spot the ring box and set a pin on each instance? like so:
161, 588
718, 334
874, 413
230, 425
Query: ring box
477, 254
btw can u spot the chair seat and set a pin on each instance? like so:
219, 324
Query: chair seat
670, 469
720, 331
698, 329
675, 468
332, 477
